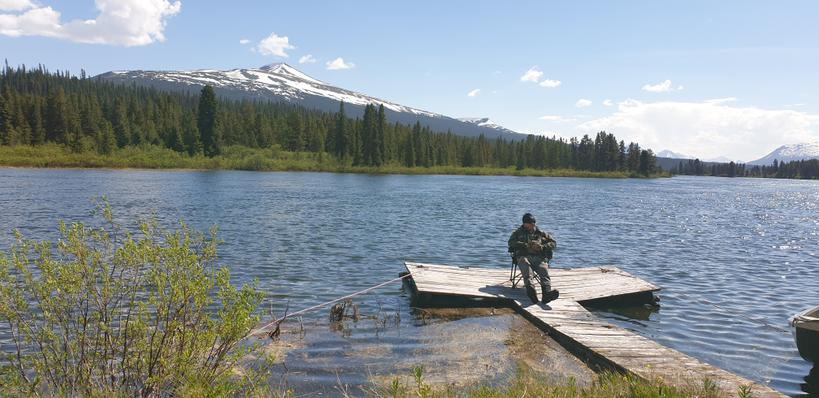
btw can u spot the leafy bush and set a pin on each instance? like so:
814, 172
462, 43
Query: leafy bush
104, 311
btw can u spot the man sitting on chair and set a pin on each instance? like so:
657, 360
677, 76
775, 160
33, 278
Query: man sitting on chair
531, 248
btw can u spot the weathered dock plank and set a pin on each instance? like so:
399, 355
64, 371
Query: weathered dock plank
577, 328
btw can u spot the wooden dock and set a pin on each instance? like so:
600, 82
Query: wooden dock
568, 322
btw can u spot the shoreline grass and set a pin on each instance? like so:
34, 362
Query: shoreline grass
525, 383
252, 159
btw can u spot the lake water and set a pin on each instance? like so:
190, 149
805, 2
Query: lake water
735, 257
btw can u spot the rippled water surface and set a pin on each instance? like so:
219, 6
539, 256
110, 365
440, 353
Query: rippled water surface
735, 257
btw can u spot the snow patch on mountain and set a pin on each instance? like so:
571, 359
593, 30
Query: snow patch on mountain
789, 153
720, 159
279, 79
667, 153
485, 122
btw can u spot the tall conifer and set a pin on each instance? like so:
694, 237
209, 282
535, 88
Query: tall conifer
208, 122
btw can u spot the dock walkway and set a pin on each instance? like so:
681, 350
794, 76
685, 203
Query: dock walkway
577, 329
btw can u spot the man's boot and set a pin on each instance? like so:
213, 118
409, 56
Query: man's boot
548, 295
530, 291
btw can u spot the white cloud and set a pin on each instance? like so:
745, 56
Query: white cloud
583, 103
338, 64
244, 41
15, 5
707, 129
549, 83
607, 102
120, 22
661, 87
531, 75
474, 93
274, 45
307, 59
551, 118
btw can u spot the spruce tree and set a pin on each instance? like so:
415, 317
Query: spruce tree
56, 120
121, 125
340, 138
208, 122
381, 135
5, 122
38, 135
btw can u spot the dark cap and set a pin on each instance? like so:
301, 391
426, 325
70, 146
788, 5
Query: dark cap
528, 218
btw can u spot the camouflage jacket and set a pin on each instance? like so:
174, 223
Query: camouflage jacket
519, 242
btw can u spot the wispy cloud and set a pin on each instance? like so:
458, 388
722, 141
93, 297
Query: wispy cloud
551, 118
119, 22
339, 64
583, 103
607, 102
661, 87
244, 41
474, 93
707, 129
531, 75
274, 45
549, 83
307, 59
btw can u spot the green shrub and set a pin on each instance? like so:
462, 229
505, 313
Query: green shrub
103, 311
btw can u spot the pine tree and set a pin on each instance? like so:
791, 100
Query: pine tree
38, 135
381, 135
340, 138
296, 139
208, 122
122, 128
409, 152
106, 141
191, 135
6, 126
56, 120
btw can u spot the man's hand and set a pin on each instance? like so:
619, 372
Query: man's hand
535, 247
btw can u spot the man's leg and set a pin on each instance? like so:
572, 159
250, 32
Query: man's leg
542, 269
524, 264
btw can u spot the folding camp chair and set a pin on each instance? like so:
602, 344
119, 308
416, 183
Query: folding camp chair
515, 275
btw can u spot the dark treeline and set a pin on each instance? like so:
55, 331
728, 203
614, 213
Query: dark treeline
84, 114
803, 169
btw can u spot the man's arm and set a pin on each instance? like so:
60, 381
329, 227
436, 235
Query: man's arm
514, 243
549, 242
549, 245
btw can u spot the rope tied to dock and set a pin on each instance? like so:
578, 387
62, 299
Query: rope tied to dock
261, 330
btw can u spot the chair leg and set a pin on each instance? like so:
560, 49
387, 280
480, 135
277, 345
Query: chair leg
513, 275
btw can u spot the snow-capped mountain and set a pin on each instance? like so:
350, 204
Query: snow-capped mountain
282, 82
720, 159
666, 153
676, 155
485, 122
789, 153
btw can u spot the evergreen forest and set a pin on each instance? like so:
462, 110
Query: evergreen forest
801, 169
87, 115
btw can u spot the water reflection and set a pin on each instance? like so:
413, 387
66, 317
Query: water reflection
736, 258
811, 384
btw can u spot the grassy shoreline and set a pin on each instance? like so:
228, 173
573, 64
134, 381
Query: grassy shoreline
250, 159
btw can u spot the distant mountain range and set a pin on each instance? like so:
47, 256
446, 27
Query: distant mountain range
282, 82
786, 153
676, 155
789, 153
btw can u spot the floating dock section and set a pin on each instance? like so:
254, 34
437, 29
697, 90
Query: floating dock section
569, 323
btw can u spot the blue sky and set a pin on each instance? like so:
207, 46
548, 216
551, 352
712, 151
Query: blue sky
708, 79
